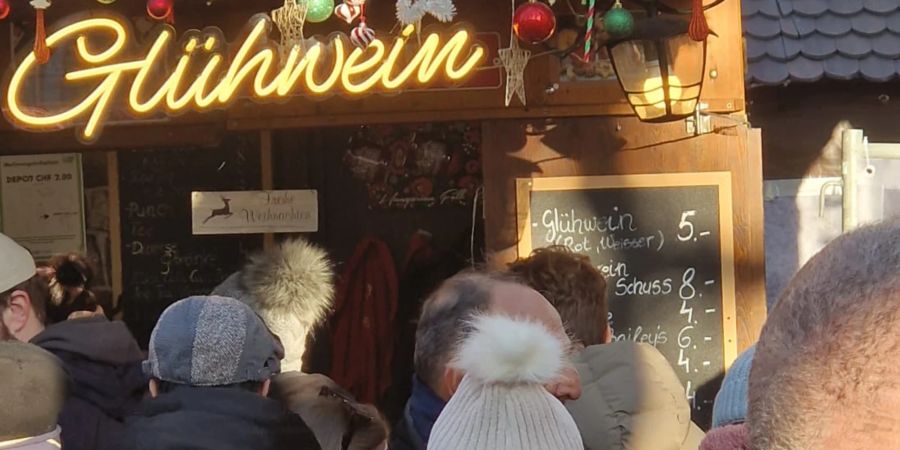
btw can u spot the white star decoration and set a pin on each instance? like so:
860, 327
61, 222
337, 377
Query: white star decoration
514, 59
290, 19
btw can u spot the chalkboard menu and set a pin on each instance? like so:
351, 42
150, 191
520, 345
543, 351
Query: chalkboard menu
162, 261
665, 245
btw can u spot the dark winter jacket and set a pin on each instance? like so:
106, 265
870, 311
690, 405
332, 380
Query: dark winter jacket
102, 361
422, 411
195, 418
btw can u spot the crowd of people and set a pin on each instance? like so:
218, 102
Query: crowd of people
521, 359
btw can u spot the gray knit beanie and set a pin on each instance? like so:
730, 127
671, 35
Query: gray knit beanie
32, 390
730, 406
212, 341
501, 402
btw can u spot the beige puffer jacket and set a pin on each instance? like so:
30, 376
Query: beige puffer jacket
631, 400
335, 418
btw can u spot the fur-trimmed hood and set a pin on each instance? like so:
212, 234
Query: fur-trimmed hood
292, 290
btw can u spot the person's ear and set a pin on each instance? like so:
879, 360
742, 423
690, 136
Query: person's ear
266, 386
451, 380
567, 386
154, 388
609, 335
17, 312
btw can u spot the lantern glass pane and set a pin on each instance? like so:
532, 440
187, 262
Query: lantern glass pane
687, 63
638, 67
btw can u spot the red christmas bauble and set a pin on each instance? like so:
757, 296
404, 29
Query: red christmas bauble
159, 9
534, 22
4, 9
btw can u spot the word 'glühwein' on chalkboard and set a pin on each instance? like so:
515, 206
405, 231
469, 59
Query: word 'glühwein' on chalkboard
664, 244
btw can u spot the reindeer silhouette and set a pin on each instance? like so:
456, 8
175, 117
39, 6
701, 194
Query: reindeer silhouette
221, 212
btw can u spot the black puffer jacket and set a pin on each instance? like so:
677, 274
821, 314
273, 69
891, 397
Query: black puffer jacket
102, 361
194, 418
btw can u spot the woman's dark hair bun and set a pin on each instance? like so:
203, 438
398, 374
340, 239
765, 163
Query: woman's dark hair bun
72, 270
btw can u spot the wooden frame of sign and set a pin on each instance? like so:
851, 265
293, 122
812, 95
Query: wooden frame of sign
598, 233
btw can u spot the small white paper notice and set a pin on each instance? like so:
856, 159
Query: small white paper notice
43, 203
248, 212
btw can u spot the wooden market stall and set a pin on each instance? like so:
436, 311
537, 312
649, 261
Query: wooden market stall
569, 131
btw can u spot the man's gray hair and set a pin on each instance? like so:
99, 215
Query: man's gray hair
831, 344
445, 320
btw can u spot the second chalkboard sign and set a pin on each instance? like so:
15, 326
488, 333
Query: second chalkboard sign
162, 261
664, 244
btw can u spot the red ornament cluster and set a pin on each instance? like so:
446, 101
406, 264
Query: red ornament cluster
534, 22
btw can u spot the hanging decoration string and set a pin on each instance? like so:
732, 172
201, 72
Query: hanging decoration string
512, 20
870, 169
478, 192
362, 35
589, 33
698, 29
41, 51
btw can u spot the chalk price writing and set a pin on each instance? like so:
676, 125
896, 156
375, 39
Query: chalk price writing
687, 290
691, 394
685, 341
686, 226
46, 178
687, 311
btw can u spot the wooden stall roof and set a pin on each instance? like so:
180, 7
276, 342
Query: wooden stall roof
723, 86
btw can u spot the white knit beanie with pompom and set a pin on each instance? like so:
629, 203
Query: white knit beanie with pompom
501, 402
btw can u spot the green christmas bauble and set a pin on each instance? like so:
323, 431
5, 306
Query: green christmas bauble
318, 10
619, 23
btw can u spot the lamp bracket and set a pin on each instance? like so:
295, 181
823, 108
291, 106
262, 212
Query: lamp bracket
700, 123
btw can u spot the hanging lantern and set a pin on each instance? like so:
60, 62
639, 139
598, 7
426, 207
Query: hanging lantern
160, 9
106, 2
534, 22
4, 9
318, 10
660, 68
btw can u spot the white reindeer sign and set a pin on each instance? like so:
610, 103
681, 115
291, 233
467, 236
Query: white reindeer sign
248, 212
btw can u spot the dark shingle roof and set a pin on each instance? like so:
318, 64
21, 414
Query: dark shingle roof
807, 40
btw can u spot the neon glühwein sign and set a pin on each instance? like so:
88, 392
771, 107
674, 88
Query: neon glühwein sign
204, 78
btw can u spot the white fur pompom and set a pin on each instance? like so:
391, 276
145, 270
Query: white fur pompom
506, 350
294, 279
292, 289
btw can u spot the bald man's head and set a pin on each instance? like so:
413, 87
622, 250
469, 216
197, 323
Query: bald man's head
826, 373
446, 317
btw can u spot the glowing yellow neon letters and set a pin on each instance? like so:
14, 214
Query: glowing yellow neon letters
254, 68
